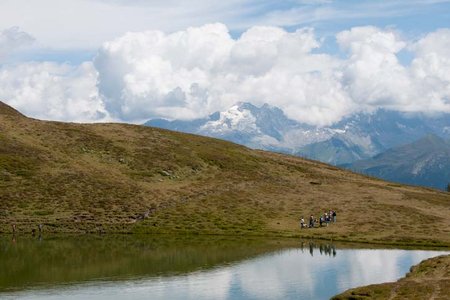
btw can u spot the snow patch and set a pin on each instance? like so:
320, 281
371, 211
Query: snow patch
234, 119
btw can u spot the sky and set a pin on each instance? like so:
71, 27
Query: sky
130, 61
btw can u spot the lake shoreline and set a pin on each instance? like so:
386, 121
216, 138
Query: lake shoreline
428, 279
117, 178
417, 245
158, 254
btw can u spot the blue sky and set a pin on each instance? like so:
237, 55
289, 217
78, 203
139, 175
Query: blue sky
72, 30
128, 61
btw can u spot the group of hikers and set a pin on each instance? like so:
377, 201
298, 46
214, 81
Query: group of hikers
324, 219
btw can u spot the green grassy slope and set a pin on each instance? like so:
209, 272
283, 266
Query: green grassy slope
126, 178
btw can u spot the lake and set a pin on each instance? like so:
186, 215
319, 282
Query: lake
186, 267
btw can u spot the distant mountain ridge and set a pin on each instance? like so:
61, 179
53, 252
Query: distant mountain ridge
360, 142
359, 136
424, 162
265, 127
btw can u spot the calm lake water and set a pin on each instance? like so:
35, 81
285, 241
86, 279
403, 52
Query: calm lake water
148, 267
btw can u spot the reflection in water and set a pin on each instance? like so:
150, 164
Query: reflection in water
324, 249
128, 267
26, 261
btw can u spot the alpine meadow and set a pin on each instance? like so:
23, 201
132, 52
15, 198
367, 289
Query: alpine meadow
225, 150
120, 178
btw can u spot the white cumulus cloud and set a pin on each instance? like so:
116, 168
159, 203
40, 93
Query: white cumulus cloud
53, 91
191, 73
373, 74
194, 72
430, 69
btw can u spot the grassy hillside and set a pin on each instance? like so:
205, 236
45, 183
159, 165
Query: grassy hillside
428, 280
126, 178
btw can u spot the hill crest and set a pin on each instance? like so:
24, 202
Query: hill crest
7, 110
129, 178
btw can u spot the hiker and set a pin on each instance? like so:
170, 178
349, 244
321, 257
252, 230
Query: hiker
302, 223
326, 217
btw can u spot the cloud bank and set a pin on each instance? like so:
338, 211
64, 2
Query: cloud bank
12, 39
191, 73
194, 72
53, 91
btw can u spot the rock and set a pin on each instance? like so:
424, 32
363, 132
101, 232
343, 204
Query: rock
165, 173
315, 183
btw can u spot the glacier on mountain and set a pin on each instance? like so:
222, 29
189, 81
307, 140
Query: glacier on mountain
358, 136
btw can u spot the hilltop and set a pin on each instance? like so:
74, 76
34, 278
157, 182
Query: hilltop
129, 178
6, 110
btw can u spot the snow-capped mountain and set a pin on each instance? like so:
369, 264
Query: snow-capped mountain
265, 127
359, 136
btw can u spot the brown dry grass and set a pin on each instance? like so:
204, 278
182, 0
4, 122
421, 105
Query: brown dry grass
106, 177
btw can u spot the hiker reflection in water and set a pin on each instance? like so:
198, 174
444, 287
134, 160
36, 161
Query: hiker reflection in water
13, 240
324, 249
